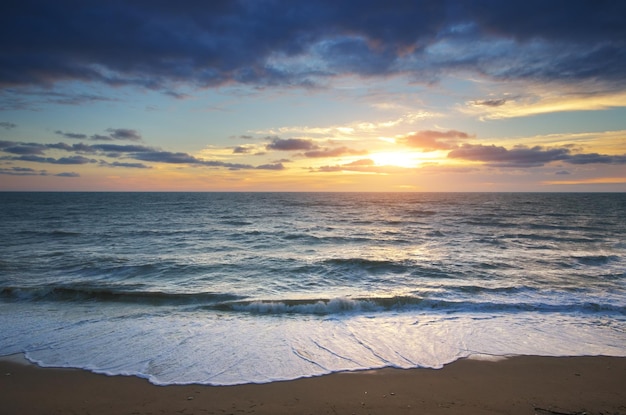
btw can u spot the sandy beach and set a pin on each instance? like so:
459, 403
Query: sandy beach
517, 385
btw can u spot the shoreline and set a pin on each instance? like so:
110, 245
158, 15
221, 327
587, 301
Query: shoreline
514, 385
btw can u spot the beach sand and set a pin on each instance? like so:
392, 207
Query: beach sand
517, 385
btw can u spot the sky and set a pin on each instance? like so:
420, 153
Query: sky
324, 95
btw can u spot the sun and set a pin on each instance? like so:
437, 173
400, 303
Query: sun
396, 158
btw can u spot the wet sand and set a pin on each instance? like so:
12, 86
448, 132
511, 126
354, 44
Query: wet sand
517, 385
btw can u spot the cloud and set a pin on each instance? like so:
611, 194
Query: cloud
537, 99
274, 166
522, 156
16, 147
52, 160
7, 125
159, 45
22, 171
595, 158
334, 152
74, 136
361, 166
490, 102
429, 140
26, 171
100, 137
310, 148
129, 148
241, 150
517, 157
34, 152
127, 165
362, 162
22, 148
166, 157
114, 134
184, 158
30, 97
592, 180
329, 169
291, 144
124, 134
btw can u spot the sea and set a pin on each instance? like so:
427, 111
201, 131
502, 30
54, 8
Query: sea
235, 288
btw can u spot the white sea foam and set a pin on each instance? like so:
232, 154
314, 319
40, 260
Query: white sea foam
180, 348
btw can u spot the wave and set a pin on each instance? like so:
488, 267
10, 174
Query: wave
421, 212
64, 293
547, 237
324, 239
225, 302
235, 222
57, 233
370, 265
596, 260
324, 307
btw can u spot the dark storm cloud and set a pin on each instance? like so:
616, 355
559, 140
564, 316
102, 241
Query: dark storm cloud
158, 44
7, 125
522, 156
530, 19
429, 140
291, 144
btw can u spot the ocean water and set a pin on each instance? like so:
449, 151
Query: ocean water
231, 288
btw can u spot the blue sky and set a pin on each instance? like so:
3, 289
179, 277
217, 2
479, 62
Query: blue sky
324, 95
